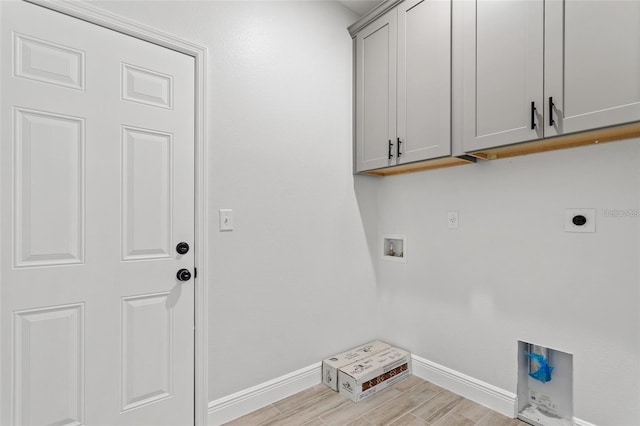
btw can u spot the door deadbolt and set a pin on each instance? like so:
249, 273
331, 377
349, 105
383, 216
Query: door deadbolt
182, 248
183, 275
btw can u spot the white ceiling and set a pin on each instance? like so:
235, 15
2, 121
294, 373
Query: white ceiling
360, 6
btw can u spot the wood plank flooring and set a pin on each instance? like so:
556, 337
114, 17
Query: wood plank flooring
410, 402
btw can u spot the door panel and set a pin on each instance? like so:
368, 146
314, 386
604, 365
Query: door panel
146, 351
592, 57
48, 188
49, 359
48, 62
424, 79
147, 86
376, 93
147, 187
97, 179
503, 72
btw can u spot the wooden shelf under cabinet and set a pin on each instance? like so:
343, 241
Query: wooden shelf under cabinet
608, 134
422, 165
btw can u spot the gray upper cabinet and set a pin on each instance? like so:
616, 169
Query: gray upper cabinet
503, 73
592, 60
542, 68
376, 50
424, 80
403, 86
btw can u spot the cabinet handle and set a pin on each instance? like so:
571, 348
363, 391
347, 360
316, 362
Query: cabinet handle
390, 146
551, 122
533, 115
398, 153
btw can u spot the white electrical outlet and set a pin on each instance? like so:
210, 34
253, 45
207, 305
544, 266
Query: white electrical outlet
452, 220
580, 220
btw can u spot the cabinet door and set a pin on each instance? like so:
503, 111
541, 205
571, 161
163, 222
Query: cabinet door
424, 80
592, 64
503, 72
376, 93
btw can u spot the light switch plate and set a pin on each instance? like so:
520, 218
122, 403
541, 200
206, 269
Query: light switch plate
588, 214
226, 219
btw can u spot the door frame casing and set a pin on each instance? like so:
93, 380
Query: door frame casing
100, 17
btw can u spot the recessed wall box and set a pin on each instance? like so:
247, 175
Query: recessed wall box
394, 248
545, 386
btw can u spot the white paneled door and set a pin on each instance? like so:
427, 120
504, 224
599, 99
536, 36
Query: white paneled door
97, 179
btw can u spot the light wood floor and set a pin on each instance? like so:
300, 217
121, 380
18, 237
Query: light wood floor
410, 402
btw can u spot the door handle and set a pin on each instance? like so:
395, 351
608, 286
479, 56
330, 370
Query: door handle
398, 153
183, 275
551, 122
533, 115
182, 248
390, 146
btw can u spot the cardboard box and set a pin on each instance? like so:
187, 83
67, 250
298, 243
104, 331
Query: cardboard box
370, 375
331, 365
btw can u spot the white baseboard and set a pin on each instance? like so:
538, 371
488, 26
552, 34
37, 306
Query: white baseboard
240, 403
579, 422
476, 390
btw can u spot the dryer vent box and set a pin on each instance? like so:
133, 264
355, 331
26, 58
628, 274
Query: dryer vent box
580, 220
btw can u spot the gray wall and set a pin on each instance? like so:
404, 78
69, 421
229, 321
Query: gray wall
510, 272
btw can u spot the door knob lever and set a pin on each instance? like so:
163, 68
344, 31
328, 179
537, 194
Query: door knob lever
183, 275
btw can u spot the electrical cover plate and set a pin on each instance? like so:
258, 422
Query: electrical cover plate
226, 219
